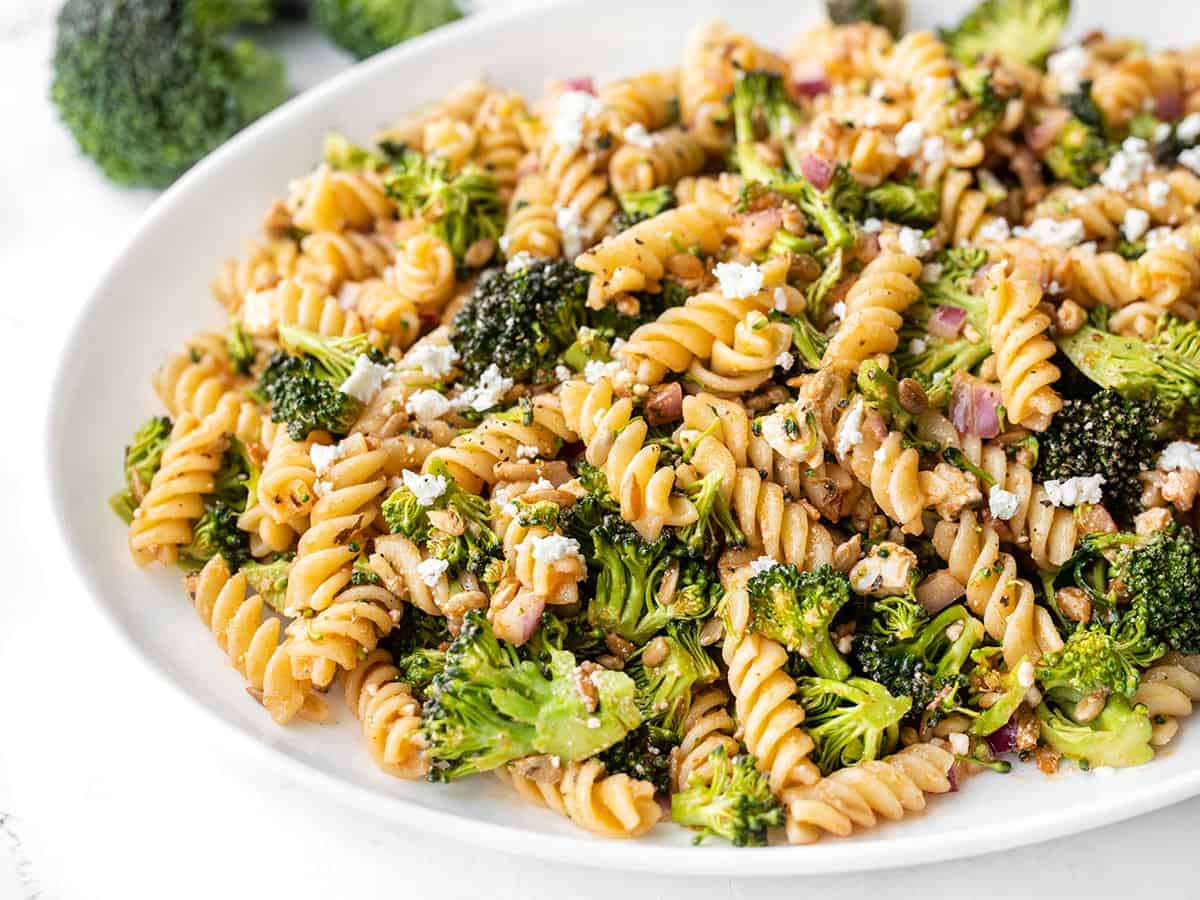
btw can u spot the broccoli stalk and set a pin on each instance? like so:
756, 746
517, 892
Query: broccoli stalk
367, 27
1018, 31
715, 527
240, 346
809, 340
664, 690
904, 202
732, 800
488, 707
796, 609
850, 721
143, 455
1118, 737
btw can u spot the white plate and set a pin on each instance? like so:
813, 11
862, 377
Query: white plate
154, 296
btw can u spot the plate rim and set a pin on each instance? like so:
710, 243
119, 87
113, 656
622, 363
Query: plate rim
863, 852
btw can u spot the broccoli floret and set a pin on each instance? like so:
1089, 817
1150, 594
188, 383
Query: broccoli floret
417, 631
268, 580
488, 707
576, 635
240, 346
366, 27
796, 608
664, 691
1160, 574
143, 455
521, 321
419, 668
933, 360
1105, 434
460, 208
850, 721
808, 339
732, 801
887, 13
638, 206
928, 664
1096, 659
645, 754
147, 87
1164, 370
342, 153
1118, 737
715, 527
1019, 31
1081, 149
880, 389
215, 533
904, 202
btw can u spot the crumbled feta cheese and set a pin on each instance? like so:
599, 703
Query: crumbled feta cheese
954, 631
1026, 676
574, 232
542, 484
1074, 491
1157, 192
323, 456
1128, 165
1054, 288
849, 433
347, 296
562, 373
1180, 455
933, 149
909, 138
258, 312
917, 346
968, 134
880, 453
321, 487
1068, 66
593, 722
838, 310
431, 570
739, 281
960, 743
427, 404
1053, 233
435, 360
426, 488
519, 262
995, 230
872, 225
931, 272
785, 360
1162, 131
1191, 159
1189, 128
488, 392
1002, 503
365, 379
1089, 247
1135, 223
594, 370
527, 451
573, 110
760, 565
637, 135
1158, 237
552, 548
781, 300
914, 243
505, 240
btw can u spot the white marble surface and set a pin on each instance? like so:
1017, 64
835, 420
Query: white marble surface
109, 789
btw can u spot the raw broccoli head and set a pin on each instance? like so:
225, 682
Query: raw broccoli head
627, 583
1019, 31
143, 455
268, 579
521, 321
216, 533
1160, 574
715, 528
420, 667
302, 381
147, 87
664, 691
460, 208
928, 664
887, 13
489, 707
638, 206
1118, 737
645, 754
1164, 370
1105, 434
850, 721
905, 202
417, 630
1096, 658
366, 27
1081, 149
733, 802
796, 609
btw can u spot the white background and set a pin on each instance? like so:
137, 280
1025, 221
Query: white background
110, 788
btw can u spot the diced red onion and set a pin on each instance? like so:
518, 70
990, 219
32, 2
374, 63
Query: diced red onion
1169, 106
975, 407
987, 410
1042, 135
952, 777
810, 85
816, 169
517, 622
1004, 738
583, 83
947, 321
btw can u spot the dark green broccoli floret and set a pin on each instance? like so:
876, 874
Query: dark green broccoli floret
664, 690
638, 206
715, 528
268, 580
142, 458
460, 208
796, 608
980, 105
928, 664
521, 320
1164, 370
933, 360
850, 721
888, 13
1105, 434
1019, 31
366, 27
904, 202
1097, 659
733, 800
417, 631
1118, 737
488, 707
147, 87
419, 668
1081, 149
645, 754
241, 347
576, 635
216, 533
342, 153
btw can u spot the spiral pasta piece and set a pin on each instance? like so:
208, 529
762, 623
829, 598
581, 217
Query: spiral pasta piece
1023, 352
748, 361
334, 200
252, 643
259, 268
499, 148
331, 259
390, 715
1124, 90
303, 305
554, 583
393, 318
578, 178
342, 634
1099, 278
963, 210
462, 104
531, 227
663, 158
644, 100
884, 290
1167, 273
708, 725
286, 485
187, 383
1169, 689
860, 795
612, 806
922, 64
424, 273
450, 139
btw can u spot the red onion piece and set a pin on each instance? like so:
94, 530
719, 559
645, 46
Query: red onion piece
952, 777
1169, 106
517, 622
583, 83
975, 406
1042, 135
1004, 738
810, 85
987, 410
947, 321
816, 169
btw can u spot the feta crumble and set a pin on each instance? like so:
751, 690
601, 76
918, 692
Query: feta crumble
562, 373
1158, 192
365, 379
933, 149
258, 312
427, 404
594, 370
637, 135
488, 392
762, 564
914, 243
960, 743
781, 300
1135, 224
739, 281
785, 360
1003, 504
552, 548
435, 360
931, 272
1128, 166
519, 263
909, 138
323, 457
872, 225
527, 451
838, 310
426, 488
1189, 128
1074, 491
1053, 233
917, 346
1068, 66
1191, 159
573, 110
1180, 455
431, 570
995, 230
574, 232
1026, 675
849, 433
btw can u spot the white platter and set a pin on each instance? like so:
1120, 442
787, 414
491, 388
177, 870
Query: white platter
154, 295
